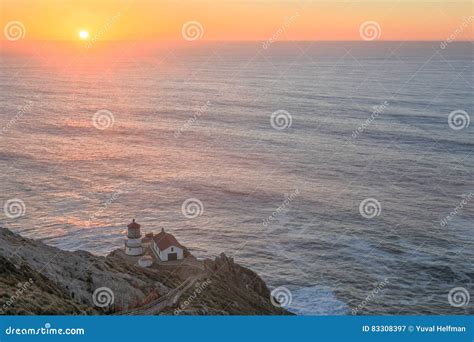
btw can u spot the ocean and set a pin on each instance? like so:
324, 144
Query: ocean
342, 173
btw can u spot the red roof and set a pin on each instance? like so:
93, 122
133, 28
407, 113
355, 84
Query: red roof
164, 240
133, 225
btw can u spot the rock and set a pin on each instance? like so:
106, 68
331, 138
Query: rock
64, 283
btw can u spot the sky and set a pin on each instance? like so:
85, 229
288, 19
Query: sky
237, 20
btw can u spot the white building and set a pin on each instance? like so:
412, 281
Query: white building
166, 247
145, 261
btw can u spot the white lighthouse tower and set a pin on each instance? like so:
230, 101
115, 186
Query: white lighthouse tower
133, 243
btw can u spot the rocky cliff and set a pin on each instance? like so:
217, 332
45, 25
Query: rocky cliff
39, 279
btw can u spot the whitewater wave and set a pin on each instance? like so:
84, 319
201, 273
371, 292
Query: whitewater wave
317, 300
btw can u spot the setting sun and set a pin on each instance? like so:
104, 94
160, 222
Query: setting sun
83, 35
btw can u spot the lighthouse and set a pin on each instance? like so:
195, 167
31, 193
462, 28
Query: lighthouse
133, 243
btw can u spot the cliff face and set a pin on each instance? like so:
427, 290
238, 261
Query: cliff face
23, 291
39, 279
228, 288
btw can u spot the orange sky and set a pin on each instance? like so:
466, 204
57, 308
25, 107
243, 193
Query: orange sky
238, 19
